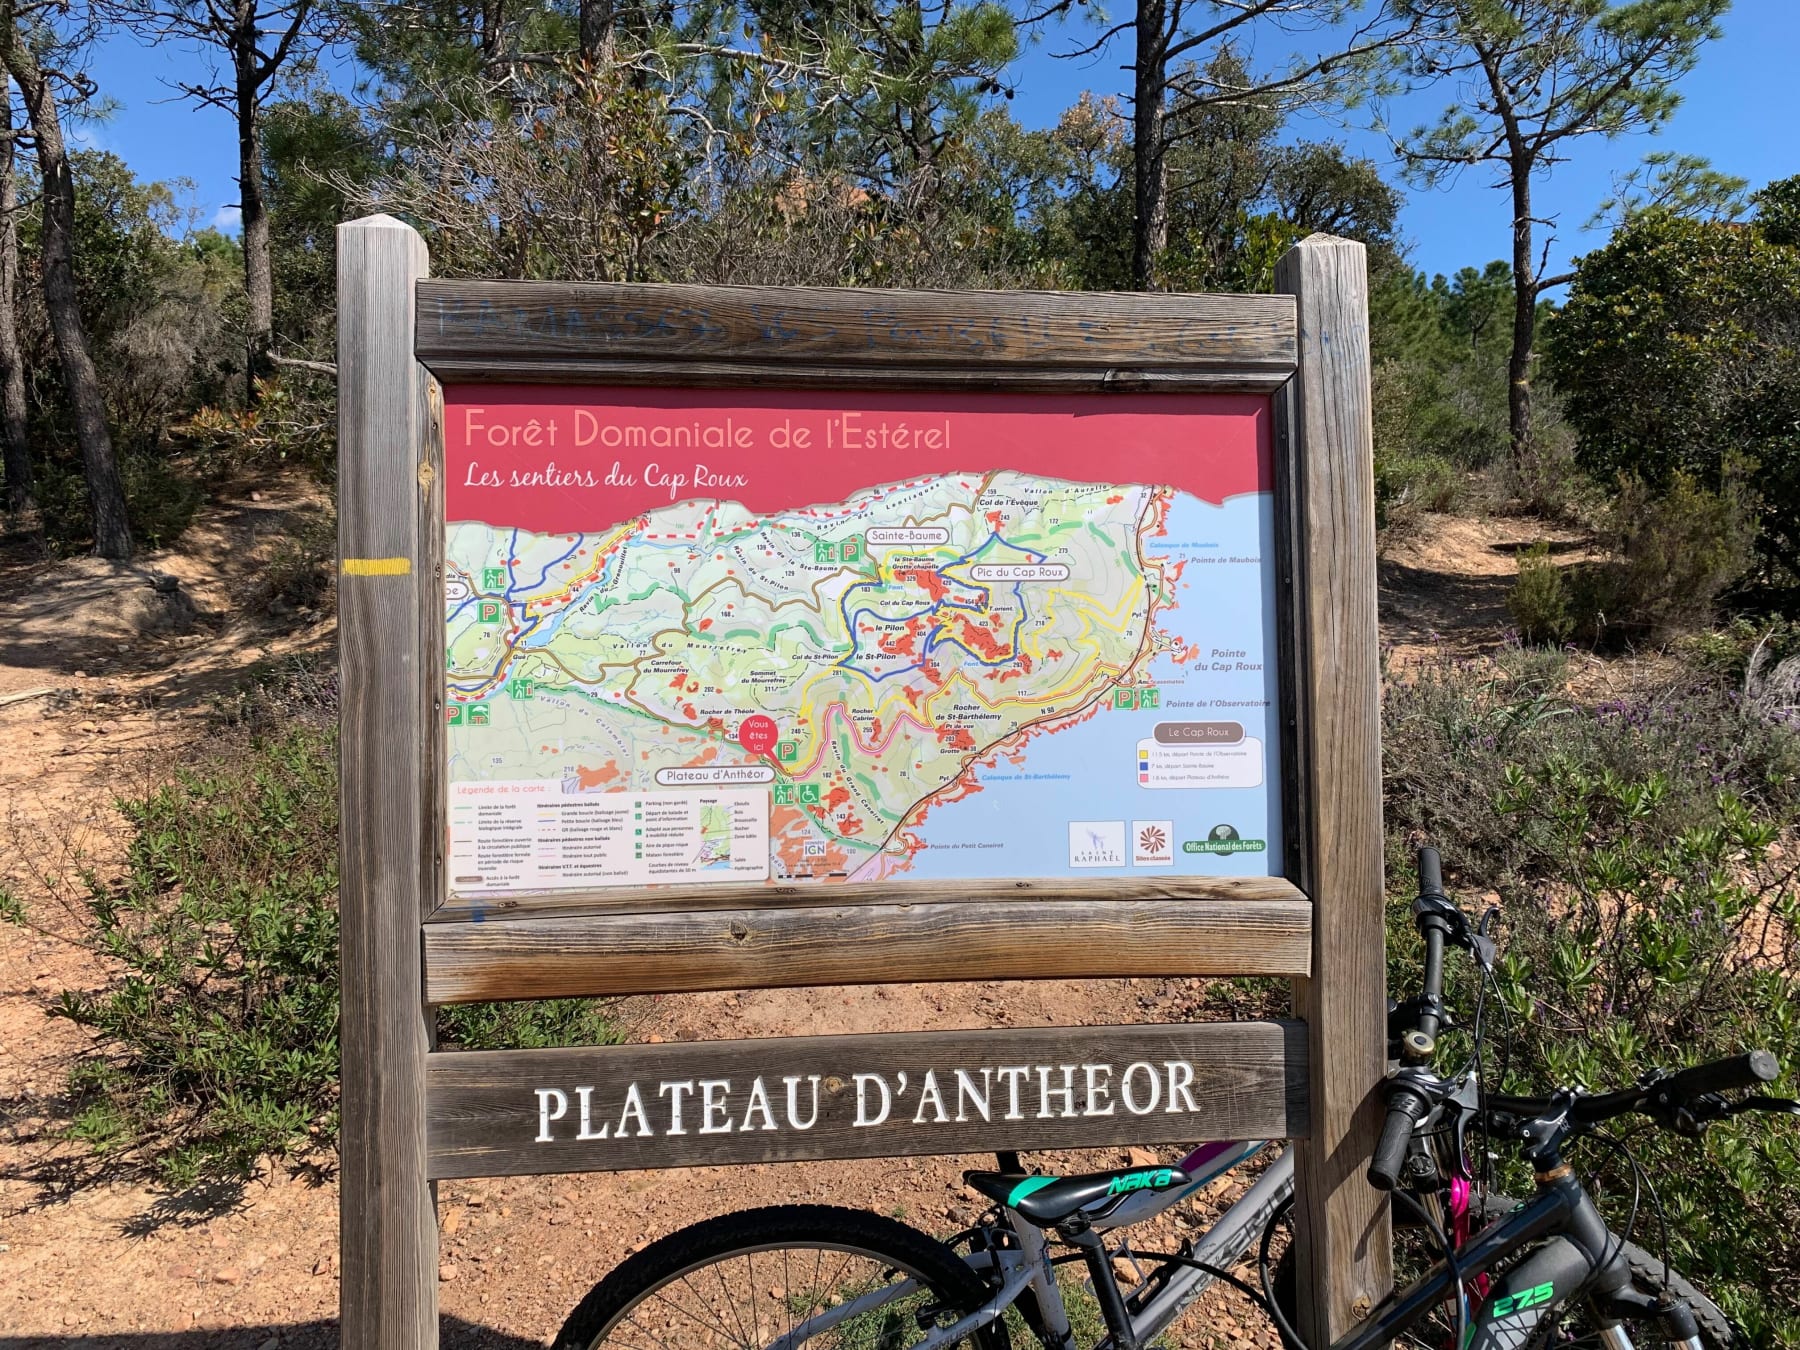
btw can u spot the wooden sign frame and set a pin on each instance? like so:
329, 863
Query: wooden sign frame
410, 1115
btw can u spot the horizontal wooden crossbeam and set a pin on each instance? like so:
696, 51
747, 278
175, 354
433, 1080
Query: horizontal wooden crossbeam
575, 332
516, 1112
966, 931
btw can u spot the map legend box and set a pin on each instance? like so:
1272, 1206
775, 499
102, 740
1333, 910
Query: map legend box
534, 835
1200, 765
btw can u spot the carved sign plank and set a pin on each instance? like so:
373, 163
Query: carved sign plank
520, 1112
537, 331
563, 957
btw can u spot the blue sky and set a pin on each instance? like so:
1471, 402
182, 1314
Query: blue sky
1737, 111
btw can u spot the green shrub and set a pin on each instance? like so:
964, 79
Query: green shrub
301, 571
1648, 944
1406, 483
1728, 652
1650, 918
1674, 554
1677, 551
1539, 602
1675, 351
216, 1039
292, 423
161, 497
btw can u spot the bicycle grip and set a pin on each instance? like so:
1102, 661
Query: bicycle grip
1723, 1075
1431, 872
1406, 1109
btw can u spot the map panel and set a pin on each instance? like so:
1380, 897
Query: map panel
782, 638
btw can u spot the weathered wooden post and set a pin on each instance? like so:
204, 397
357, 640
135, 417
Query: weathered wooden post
1335, 835
390, 685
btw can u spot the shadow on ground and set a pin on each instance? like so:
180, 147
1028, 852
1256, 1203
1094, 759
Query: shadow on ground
454, 1334
1455, 610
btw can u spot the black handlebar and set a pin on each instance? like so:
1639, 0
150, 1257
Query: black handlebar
1722, 1075
1431, 872
1418, 1042
1406, 1109
1665, 1098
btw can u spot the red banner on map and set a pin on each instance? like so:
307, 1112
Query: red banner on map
554, 461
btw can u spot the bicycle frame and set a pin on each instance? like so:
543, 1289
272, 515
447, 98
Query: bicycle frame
1582, 1258
1027, 1268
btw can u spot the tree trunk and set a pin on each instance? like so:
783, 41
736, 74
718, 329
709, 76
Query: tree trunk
259, 277
106, 492
21, 500
597, 23
1518, 367
1149, 155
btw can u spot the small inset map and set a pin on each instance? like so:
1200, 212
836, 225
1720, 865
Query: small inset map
715, 839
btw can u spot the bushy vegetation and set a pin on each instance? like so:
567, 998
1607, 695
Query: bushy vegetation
1679, 355
1642, 854
216, 1036
1669, 556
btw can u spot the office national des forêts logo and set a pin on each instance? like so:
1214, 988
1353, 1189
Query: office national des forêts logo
1223, 839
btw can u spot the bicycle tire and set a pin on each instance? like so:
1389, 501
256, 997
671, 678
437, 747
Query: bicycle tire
712, 1242
1647, 1272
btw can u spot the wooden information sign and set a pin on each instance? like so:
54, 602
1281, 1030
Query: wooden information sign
713, 638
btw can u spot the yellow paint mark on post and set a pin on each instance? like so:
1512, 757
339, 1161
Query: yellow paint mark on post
377, 567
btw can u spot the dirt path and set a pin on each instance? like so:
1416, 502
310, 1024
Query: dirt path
1444, 583
88, 701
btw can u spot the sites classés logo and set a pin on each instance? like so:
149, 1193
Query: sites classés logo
1152, 843
1096, 843
1223, 839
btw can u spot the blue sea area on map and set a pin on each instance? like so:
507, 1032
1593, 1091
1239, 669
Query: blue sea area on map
1018, 825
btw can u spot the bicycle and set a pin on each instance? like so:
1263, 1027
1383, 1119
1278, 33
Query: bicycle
825, 1276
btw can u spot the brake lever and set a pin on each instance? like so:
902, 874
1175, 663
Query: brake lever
1776, 1105
1484, 947
1464, 934
1690, 1118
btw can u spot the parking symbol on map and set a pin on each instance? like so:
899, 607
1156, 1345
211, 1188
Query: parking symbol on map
851, 549
787, 751
453, 715
489, 611
1125, 698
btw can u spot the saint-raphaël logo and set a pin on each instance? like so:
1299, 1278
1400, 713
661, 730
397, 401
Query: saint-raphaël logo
1096, 843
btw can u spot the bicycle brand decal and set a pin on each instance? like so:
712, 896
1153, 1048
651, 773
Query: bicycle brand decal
1157, 1179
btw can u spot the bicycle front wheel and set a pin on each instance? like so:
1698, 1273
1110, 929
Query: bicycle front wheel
781, 1278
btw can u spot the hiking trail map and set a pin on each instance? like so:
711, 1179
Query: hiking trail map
794, 637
